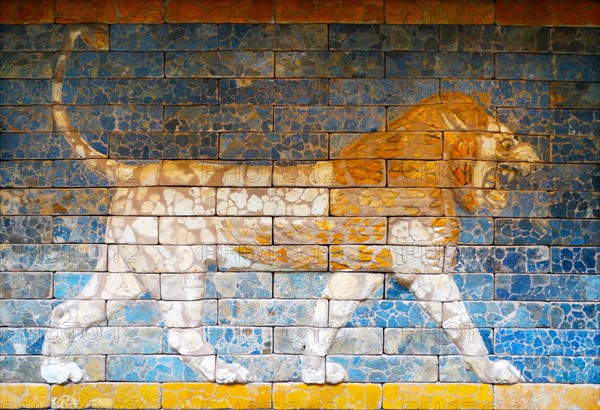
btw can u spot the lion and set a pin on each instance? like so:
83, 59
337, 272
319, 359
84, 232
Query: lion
473, 144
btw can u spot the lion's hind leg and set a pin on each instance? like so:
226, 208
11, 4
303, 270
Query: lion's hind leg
352, 288
71, 319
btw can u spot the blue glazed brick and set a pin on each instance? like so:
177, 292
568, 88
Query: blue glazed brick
268, 368
386, 313
518, 204
45, 145
579, 40
573, 204
386, 369
575, 259
115, 340
383, 37
472, 286
239, 285
477, 231
509, 314
273, 36
74, 173
231, 340
24, 119
114, 65
574, 370
574, 95
501, 92
306, 285
331, 64
151, 368
407, 341
162, 145
68, 285
22, 257
547, 342
79, 229
439, 64
547, 232
280, 92
271, 312
25, 92
395, 291
329, 119
381, 91
26, 229
493, 259
274, 146
54, 201
25, 285
245, 118
581, 177
479, 286
579, 149
547, 287
36, 37
533, 369
26, 65
32, 312
366, 340
520, 66
162, 37
494, 38
240, 340
574, 67
210, 64
150, 313
164, 91
541, 121
116, 118
76, 91
21, 340
575, 316
25, 174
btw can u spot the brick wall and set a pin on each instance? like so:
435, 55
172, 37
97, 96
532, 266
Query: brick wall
216, 191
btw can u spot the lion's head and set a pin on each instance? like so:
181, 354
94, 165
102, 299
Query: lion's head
449, 142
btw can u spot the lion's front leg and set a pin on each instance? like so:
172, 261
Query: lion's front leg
352, 287
458, 326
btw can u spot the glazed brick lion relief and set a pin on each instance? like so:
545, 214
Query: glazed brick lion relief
307, 229
409, 180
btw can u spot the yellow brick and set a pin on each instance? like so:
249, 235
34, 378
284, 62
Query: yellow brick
341, 396
547, 396
423, 396
107, 396
210, 395
31, 396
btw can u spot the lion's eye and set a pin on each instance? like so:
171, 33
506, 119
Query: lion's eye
507, 144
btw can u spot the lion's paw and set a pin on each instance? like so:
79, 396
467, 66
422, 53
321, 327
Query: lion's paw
336, 374
313, 369
57, 370
498, 372
231, 373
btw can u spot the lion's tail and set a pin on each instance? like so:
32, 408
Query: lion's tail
96, 37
